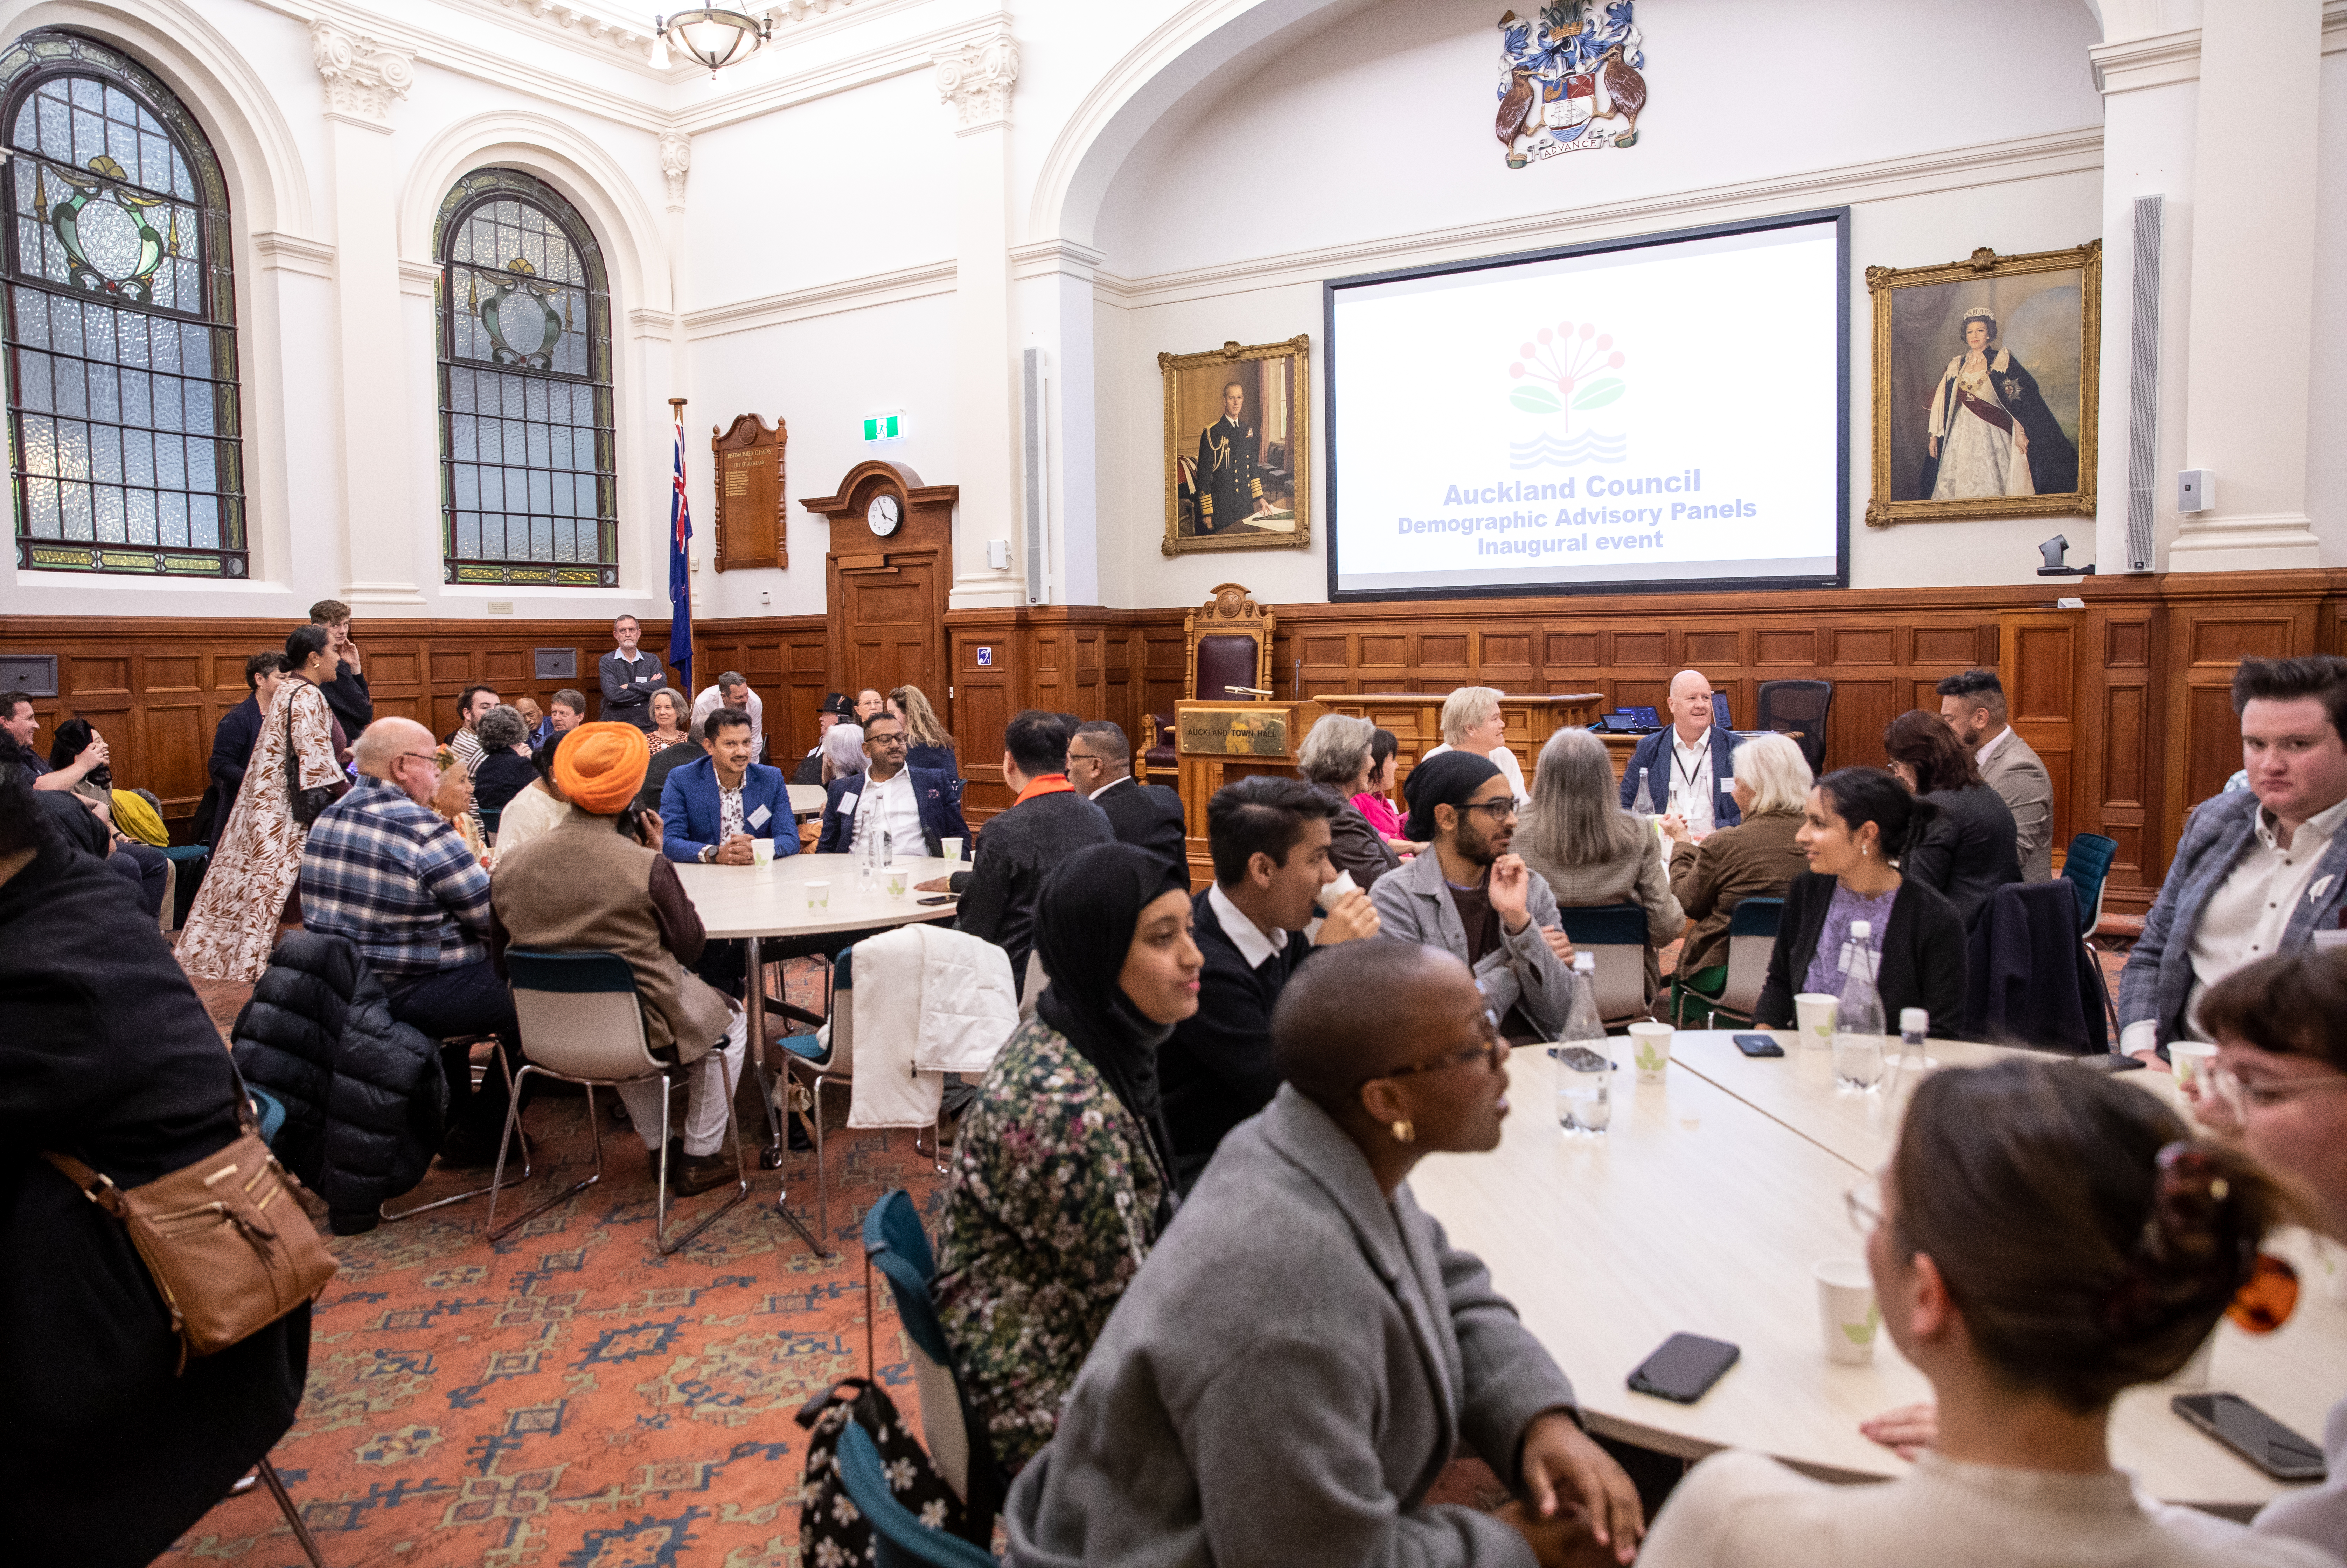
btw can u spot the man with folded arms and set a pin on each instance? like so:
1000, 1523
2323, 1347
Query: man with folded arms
1269, 837
385, 871
628, 676
584, 887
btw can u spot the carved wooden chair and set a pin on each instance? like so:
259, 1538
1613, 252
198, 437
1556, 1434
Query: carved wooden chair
1227, 653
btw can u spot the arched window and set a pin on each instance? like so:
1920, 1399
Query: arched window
123, 430
527, 491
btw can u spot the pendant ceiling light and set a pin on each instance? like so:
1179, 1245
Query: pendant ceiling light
711, 35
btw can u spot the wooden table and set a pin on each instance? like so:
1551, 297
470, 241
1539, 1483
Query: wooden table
1702, 1211
756, 903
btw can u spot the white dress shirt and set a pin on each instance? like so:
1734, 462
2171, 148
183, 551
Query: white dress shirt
890, 805
1988, 747
1255, 947
2246, 917
1690, 780
711, 700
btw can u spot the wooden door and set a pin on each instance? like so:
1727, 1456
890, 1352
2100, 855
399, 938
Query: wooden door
891, 625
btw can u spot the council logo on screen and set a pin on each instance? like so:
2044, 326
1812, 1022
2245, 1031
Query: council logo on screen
1567, 361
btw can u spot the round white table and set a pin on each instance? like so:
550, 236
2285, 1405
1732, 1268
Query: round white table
757, 903
1702, 1209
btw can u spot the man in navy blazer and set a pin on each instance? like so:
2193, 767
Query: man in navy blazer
907, 802
1686, 763
698, 823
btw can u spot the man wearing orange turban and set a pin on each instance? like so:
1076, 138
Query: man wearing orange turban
581, 888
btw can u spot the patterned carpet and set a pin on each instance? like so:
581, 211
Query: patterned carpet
569, 1398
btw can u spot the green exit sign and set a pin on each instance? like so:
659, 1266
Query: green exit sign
884, 426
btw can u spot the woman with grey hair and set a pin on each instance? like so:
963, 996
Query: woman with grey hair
842, 751
1756, 858
1576, 838
1335, 761
670, 711
505, 769
1471, 721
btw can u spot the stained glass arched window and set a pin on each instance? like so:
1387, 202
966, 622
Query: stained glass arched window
123, 428
526, 471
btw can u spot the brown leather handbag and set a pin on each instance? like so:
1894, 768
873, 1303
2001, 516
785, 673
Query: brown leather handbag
225, 1239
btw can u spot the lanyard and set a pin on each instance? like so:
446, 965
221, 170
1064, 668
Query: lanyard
1686, 778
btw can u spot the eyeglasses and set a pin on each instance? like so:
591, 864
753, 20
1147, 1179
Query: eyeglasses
2239, 1097
1864, 1202
1500, 809
886, 740
1492, 1048
421, 757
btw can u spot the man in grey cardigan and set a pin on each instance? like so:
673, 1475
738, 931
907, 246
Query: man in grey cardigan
1294, 1364
1468, 896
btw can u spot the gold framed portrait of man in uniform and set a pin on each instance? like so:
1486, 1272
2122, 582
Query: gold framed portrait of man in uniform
1238, 464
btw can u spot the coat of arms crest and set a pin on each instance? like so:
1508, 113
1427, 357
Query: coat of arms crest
1570, 79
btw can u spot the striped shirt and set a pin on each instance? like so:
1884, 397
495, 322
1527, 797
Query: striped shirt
397, 881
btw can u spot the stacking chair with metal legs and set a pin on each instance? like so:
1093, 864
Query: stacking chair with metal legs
514, 1134
808, 1056
2086, 866
1617, 933
895, 1244
1751, 938
581, 1022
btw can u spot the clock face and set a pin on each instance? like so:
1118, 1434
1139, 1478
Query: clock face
884, 515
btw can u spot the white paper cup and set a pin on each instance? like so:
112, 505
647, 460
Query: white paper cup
1326, 897
895, 880
1847, 1315
818, 894
762, 851
950, 848
1650, 1050
1814, 1015
2189, 1060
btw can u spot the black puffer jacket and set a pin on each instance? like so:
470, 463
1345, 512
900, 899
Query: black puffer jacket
363, 1096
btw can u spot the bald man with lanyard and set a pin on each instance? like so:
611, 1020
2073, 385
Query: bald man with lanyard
1685, 764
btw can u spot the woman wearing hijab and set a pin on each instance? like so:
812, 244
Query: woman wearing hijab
1060, 1182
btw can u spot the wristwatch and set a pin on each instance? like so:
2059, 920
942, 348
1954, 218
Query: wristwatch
708, 854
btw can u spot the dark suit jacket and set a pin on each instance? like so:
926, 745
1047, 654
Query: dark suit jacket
232, 745
1216, 1069
1970, 852
500, 776
1148, 815
1017, 850
938, 796
349, 702
1654, 754
935, 759
690, 806
1922, 950
810, 768
664, 762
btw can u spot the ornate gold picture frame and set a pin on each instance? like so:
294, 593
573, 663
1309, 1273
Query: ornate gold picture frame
1985, 376
1239, 468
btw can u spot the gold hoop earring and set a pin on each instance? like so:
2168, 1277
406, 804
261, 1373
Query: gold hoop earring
1403, 1132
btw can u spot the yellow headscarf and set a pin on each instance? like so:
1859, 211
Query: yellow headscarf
134, 816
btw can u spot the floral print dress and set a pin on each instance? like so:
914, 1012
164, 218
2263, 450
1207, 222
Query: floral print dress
1053, 1207
233, 926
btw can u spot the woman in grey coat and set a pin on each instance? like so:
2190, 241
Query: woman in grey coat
1302, 1353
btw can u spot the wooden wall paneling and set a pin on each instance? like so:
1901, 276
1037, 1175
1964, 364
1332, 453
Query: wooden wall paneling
2046, 696
2215, 620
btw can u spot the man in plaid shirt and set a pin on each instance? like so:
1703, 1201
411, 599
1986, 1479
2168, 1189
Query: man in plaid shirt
382, 869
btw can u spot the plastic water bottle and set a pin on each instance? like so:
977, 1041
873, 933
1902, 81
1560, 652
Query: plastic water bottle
1644, 802
1583, 1063
866, 842
1858, 1019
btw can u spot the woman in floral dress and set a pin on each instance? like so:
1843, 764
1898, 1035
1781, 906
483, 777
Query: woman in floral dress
1060, 1180
233, 925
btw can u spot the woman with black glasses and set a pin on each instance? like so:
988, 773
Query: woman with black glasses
1293, 1366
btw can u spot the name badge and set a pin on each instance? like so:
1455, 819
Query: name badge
758, 817
847, 804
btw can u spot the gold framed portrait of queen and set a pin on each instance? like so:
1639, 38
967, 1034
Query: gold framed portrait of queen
1986, 375
1239, 451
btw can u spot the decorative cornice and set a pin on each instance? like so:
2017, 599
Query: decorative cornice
1047, 256
645, 321
418, 278
977, 79
823, 300
294, 253
676, 159
363, 76
897, 57
1987, 163
2155, 60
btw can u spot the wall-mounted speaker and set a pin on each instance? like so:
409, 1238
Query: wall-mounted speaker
556, 664
2143, 384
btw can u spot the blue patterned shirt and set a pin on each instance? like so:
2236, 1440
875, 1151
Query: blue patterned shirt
395, 880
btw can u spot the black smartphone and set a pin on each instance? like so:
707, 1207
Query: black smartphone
1758, 1045
2249, 1432
2106, 1062
940, 898
1684, 1369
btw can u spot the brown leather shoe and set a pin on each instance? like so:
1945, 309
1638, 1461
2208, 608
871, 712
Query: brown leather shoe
691, 1174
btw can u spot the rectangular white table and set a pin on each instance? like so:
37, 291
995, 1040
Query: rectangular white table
1702, 1210
757, 903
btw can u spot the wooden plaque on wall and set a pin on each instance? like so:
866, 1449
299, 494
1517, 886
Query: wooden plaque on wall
749, 471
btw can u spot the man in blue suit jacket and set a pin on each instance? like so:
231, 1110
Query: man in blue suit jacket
1686, 765
697, 821
892, 794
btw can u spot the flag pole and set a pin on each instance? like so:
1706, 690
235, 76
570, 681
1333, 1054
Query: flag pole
680, 586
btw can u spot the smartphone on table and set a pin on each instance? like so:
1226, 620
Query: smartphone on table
1684, 1369
2257, 1437
1758, 1045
